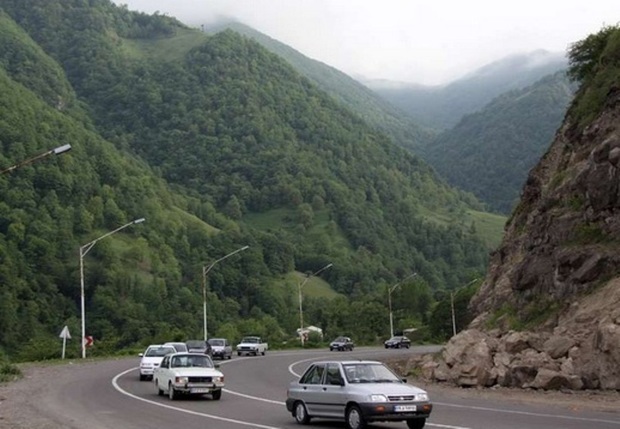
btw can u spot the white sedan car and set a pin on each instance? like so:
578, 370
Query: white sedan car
151, 358
188, 374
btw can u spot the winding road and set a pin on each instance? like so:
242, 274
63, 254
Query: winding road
108, 395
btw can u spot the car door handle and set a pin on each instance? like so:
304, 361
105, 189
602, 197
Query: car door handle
324, 389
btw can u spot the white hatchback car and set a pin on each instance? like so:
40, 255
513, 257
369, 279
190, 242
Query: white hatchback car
151, 358
188, 374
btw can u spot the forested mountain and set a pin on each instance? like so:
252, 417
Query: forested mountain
218, 143
490, 152
373, 109
441, 107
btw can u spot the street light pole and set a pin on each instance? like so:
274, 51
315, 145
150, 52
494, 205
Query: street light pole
83, 251
390, 290
452, 304
55, 151
205, 271
301, 312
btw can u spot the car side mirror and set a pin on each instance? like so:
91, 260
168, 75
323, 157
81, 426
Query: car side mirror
140, 354
337, 382
216, 365
404, 380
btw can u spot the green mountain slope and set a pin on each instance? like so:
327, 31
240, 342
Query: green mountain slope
490, 152
355, 96
219, 145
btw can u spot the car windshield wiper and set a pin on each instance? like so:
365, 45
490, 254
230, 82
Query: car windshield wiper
385, 380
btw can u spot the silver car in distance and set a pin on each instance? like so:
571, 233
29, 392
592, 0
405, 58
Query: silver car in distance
359, 392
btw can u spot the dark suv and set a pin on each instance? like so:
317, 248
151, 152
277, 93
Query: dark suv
397, 342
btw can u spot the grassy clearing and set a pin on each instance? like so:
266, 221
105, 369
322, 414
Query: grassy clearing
315, 287
165, 49
489, 226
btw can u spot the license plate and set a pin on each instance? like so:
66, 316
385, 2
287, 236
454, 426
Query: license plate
405, 408
200, 390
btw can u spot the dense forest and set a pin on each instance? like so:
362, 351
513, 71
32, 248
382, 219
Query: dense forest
218, 144
490, 152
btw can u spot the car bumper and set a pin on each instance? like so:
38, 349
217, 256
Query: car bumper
387, 411
289, 404
198, 389
147, 371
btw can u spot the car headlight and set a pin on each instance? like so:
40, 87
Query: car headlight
181, 380
422, 397
218, 379
378, 398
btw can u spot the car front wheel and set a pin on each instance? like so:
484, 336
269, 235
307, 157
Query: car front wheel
172, 394
217, 394
301, 414
416, 423
354, 418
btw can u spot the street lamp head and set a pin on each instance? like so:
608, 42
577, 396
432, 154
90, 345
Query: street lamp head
244, 248
139, 220
61, 149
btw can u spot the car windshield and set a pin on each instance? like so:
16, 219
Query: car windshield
196, 345
159, 351
216, 342
185, 361
395, 338
340, 340
250, 340
369, 373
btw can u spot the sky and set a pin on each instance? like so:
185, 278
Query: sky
418, 41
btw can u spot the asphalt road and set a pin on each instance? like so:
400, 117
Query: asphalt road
109, 395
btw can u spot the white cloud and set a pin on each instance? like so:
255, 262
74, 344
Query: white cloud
408, 40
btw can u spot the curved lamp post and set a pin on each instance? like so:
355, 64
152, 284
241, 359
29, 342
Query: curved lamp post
452, 292
56, 151
390, 290
301, 313
83, 251
205, 270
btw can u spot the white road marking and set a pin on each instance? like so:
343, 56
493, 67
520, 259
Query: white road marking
527, 413
195, 413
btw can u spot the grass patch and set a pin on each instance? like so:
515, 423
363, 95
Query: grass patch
165, 49
316, 287
489, 227
589, 234
531, 315
9, 372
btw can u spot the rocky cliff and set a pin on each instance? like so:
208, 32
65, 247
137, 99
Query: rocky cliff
548, 312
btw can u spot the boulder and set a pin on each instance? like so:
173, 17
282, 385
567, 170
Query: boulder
547, 379
558, 346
